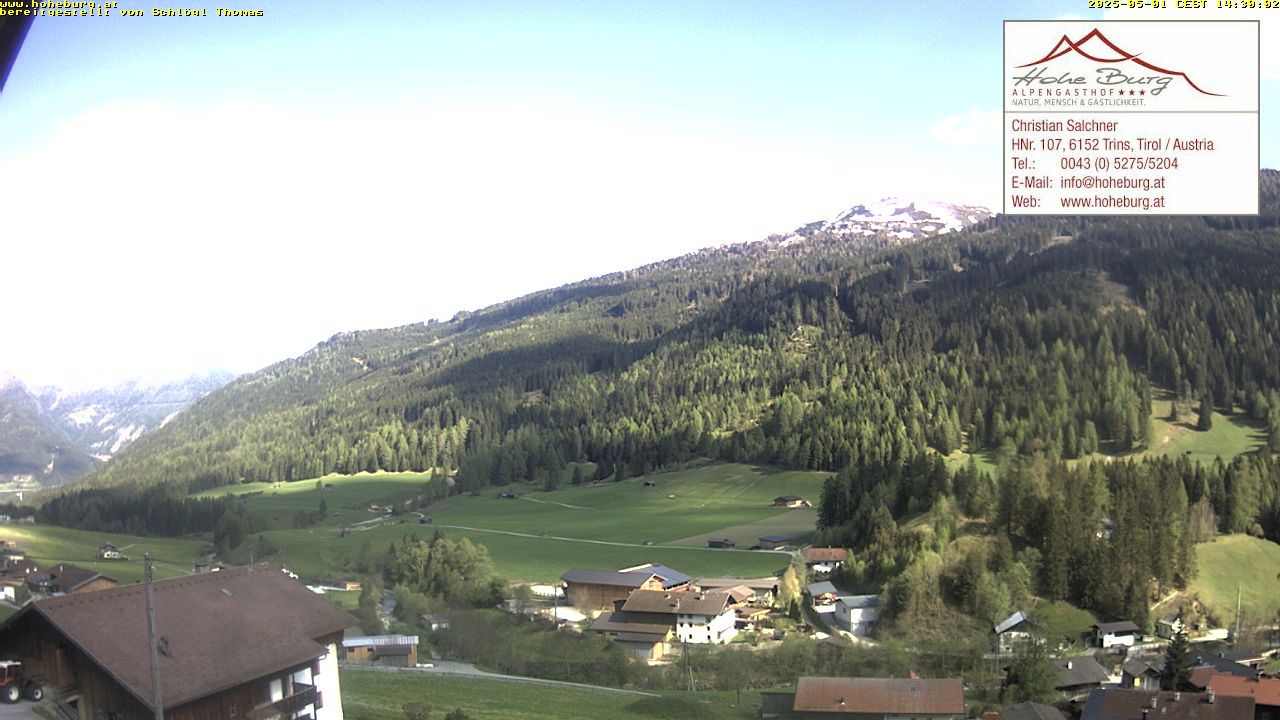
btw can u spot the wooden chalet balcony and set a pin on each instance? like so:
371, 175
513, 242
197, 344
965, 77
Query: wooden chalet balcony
303, 696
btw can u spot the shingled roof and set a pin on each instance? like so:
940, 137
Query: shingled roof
220, 630
673, 603
879, 696
1144, 704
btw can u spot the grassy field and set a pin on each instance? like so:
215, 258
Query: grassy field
1063, 623
381, 696
1230, 435
1241, 561
541, 534
48, 545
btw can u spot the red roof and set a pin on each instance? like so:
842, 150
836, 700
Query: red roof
1264, 691
880, 696
826, 554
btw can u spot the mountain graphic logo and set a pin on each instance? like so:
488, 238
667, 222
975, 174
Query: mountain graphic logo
1099, 48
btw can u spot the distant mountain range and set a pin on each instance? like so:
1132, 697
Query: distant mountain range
49, 435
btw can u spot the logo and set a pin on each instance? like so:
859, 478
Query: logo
1096, 47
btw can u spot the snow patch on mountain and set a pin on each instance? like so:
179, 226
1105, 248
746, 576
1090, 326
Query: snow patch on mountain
896, 218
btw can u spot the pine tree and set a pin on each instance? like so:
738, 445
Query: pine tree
1206, 412
1176, 674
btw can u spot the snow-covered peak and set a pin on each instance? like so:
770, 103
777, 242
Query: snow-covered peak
901, 219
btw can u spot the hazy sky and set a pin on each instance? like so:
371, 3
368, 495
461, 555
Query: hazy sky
189, 193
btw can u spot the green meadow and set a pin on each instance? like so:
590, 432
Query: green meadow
49, 545
539, 535
381, 696
1238, 561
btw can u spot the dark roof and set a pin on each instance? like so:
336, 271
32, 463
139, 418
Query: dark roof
1130, 704
1115, 627
683, 603
607, 577
1031, 711
66, 578
223, 629
1011, 622
823, 587
1137, 668
1070, 672
630, 623
879, 696
670, 578
1222, 665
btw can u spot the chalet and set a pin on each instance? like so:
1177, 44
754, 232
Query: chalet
791, 501
878, 698
1265, 692
386, 650
1117, 704
1076, 676
70, 579
1109, 635
642, 636
824, 559
698, 617
243, 643
1013, 632
604, 589
721, 543
1169, 625
774, 542
857, 613
107, 551
1138, 674
1031, 711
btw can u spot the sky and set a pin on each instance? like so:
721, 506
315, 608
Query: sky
193, 193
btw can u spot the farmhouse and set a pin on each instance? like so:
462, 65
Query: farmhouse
389, 650
1111, 634
702, 617
107, 551
791, 501
1169, 625
642, 636
605, 589
764, 588
67, 579
824, 559
1013, 632
878, 698
671, 579
247, 642
1150, 705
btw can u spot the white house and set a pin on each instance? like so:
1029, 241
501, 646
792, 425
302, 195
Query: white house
1108, 635
857, 613
1013, 632
1169, 625
699, 617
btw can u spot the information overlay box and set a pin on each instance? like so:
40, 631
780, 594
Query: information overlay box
1131, 118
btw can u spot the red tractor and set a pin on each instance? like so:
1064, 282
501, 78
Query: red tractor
14, 685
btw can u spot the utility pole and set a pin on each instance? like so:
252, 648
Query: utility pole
153, 641
1235, 636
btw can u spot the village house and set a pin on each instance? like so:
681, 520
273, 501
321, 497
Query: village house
107, 551
698, 617
1117, 704
1013, 632
764, 589
1139, 674
857, 614
1169, 625
1265, 692
1112, 634
1204, 666
643, 637
1076, 676
386, 650
824, 559
869, 699
590, 590
822, 594
791, 501
67, 579
247, 642
1031, 711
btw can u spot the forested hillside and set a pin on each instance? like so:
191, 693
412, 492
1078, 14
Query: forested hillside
1042, 333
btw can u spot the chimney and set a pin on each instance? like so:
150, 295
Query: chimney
1209, 695
1068, 664
1177, 697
